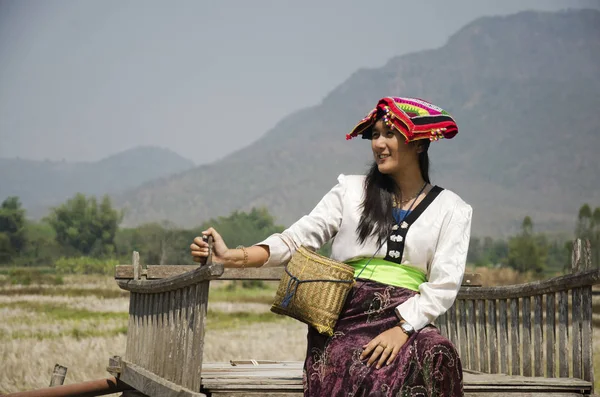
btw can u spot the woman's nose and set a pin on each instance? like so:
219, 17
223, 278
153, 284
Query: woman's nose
379, 142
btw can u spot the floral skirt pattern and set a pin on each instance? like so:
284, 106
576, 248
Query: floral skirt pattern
427, 365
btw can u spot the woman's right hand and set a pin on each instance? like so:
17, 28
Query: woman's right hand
199, 248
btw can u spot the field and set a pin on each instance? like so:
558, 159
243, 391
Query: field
80, 321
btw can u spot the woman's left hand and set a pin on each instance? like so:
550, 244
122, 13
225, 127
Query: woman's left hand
384, 347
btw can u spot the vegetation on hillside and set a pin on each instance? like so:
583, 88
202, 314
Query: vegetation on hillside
42, 184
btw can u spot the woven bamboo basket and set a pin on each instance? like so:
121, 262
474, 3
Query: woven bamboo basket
313, 290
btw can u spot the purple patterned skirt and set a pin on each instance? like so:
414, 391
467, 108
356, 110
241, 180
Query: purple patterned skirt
427, 365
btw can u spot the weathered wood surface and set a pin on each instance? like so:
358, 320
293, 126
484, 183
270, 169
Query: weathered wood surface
556, 284
168, 310
156, 272
181, 280
150, 384
58, 375
286, 377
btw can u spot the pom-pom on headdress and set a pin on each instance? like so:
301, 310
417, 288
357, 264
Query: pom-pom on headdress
414, 118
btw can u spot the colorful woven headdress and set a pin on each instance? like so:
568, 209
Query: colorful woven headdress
414, 118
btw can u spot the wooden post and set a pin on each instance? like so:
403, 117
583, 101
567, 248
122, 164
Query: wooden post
58, 375
137, 269
576, 256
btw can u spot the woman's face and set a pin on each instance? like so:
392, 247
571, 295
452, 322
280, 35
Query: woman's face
390, 151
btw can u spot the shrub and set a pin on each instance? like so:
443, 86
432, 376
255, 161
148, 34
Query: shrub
86, 265
32, 276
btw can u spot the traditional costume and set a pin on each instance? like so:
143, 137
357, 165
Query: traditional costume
415, 275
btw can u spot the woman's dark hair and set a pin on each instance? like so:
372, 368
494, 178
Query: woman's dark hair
376, 218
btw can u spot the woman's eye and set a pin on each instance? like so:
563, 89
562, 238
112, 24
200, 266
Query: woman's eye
390, 134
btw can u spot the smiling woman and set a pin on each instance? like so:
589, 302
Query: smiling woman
407, 241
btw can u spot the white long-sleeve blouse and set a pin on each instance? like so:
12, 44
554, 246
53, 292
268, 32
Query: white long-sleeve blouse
433, 238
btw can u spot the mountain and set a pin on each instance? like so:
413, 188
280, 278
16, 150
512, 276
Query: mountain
524, 89
40, 184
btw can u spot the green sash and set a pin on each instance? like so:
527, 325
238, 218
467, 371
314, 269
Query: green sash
390, 273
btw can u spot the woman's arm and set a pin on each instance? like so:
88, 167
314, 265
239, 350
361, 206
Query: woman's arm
447, 269
254, 256
311, 231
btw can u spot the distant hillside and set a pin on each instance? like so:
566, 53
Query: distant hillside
40, 184
525, 90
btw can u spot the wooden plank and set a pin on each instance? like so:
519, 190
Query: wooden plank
537, 336
58, 375
550, 332
157, 338
143, 359
137, 268
515, 342
576, 256
184, 339
199, 327
219, 377
482, 336
130, 327
471, 336
170, 374
150, 384
156, 272
462, 332
503, 335
453, 326
191, 335
442, 324
576, 332
563, 348
139, 318
526, 336
204, 273
492, 335
148, 338
160, 345
178, 358
586, 335
556, 284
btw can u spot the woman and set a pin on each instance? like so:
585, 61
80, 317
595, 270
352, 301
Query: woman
407, 241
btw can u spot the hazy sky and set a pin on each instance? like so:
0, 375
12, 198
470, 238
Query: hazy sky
80, 80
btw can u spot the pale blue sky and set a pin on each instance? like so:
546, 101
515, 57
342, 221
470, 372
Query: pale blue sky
80, 80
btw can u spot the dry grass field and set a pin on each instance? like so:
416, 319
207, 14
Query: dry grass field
83, 322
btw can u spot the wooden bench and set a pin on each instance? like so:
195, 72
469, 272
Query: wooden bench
530, 339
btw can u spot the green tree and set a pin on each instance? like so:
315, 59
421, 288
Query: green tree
85, 227
527, 252
12, 229
164, 243
241, 228
158, 244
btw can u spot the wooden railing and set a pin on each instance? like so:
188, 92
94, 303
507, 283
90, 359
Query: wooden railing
515, 330
537, 329
165, 335
542, 328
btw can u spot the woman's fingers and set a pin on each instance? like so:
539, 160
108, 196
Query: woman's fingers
376, 353
368, 348
395, 352
212, 232
384, 356
199, 252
